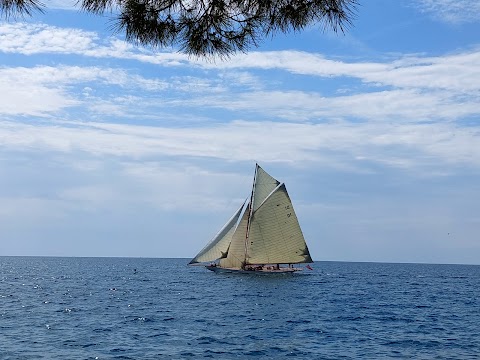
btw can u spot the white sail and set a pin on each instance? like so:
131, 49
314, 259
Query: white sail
236, 253
275, 235
218, 246
263, 186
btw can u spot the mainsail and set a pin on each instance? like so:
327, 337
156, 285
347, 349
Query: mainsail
275, 236
268, 232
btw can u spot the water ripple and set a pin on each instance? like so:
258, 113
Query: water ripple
99, 308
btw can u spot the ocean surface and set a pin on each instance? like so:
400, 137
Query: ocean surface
128, 308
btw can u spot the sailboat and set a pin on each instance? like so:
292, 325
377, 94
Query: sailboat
262, 236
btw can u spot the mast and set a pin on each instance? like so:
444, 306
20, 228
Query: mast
250, 210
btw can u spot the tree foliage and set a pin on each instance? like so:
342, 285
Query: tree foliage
208, 27
15, 8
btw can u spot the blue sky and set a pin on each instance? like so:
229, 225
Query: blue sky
107, 149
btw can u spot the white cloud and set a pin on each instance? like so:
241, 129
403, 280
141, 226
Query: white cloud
61, 4
455, 72
79, 184
182, 186
60, 75
32, 100
46, 89
451, 11
407, 87
31, 39
393, 105
337, 144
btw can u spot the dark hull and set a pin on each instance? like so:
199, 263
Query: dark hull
219, 269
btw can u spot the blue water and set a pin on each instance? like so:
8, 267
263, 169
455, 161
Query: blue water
100, 308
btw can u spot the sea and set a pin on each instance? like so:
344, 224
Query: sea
140, 308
